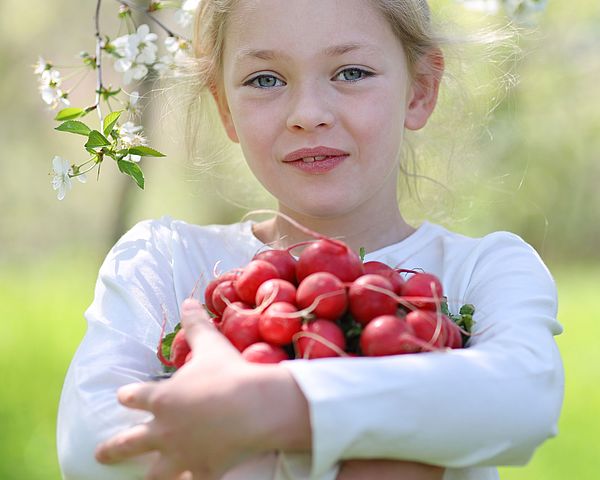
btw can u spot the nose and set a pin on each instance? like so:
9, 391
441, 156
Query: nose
309, 110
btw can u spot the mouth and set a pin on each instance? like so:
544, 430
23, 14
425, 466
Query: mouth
316, 154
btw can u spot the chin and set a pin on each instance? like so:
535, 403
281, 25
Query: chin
324, 206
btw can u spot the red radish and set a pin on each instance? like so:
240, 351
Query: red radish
330, 256
253, 275
429, 327
217, 322
334, 300
454, 336
387, 335
224, 292
282, 260
366, 304
420, 288
279, 323
210, 288
275, 290
263, 352
240, 325
319, 339
189, 356
386, 271
179, 349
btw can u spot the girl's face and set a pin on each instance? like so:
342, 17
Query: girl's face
328, 76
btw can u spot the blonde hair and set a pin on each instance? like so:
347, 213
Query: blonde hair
412, 24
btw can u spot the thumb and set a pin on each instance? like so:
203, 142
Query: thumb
200, 333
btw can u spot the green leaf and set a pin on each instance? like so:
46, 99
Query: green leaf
145, 151
109, 122
165, 345
133, 170
96, 139
362, 252
74, 126
70, 114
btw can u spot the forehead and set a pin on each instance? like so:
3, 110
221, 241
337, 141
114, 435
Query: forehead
284, 28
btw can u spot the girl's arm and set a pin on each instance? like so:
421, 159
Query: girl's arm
490, 404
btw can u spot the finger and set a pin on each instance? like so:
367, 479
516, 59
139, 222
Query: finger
200, 332
165, 468
137, 395
130, 443
186, 476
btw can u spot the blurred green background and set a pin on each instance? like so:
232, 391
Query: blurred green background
532, 167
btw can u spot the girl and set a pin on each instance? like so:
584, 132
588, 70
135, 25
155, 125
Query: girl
318, 94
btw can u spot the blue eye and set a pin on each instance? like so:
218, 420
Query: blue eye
354, 74
264, 81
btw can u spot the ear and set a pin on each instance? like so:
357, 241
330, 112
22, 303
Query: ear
424, 90
224, 113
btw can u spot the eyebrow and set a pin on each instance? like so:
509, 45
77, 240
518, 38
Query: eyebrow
333, 51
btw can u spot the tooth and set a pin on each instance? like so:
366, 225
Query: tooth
323, 157
308, 159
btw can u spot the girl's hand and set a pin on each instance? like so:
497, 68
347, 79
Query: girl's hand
388, 470
214, 412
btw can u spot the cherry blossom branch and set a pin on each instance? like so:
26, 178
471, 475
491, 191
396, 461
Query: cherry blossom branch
99, 45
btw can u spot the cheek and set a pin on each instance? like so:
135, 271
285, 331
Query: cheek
254, 129
381, 124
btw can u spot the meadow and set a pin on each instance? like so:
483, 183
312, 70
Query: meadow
41, 307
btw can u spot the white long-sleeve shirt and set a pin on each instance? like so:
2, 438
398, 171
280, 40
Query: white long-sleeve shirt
468, 410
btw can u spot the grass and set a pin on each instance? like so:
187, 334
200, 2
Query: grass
41, 308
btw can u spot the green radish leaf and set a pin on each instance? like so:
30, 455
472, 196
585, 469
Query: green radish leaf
444, 307
467, 309
144, 151
165, 345
109, 122
362, 252
70, 114
466, 321
74, 126
96, 139
133, 170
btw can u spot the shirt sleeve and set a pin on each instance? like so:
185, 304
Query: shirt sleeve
489, 404
133, 295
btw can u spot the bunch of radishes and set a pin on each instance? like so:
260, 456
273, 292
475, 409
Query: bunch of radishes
325, 303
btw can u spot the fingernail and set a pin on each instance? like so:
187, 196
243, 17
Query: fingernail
125, 393
191, 305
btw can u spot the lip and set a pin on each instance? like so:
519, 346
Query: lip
314, 152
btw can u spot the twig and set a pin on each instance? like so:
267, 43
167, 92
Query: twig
99, 45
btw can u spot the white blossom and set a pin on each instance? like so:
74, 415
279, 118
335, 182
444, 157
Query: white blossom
185, 15
49, 83
177, 52
132, 105
519, 10
61, 180
130, 135
135, 51
41, 65
485, 6
62, 172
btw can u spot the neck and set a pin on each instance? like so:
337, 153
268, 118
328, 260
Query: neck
360, 228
